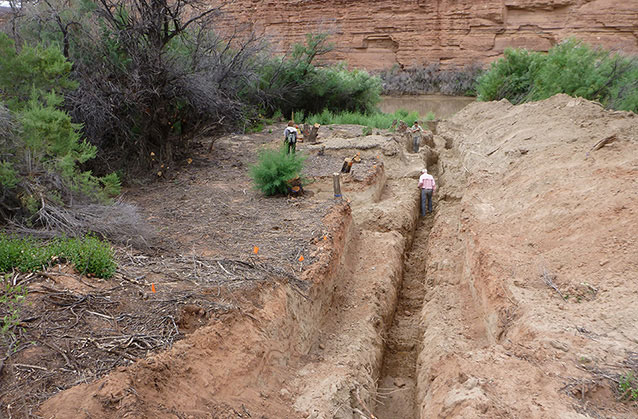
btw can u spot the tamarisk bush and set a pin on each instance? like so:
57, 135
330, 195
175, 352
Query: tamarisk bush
571, 67
431, 78
274, 169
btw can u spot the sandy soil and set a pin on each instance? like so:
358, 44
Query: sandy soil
530, 203
516, 299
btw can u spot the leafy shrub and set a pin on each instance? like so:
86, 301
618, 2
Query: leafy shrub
428, 79
41, 149
34, 70
89, 255
377, 120
511, 77
340, 89
274, 169
571, 67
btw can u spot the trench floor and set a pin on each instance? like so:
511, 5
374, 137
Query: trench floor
396, 390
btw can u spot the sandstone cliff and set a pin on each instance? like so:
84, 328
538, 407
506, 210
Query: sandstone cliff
377, 34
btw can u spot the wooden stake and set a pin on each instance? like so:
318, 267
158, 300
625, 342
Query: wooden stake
336, 185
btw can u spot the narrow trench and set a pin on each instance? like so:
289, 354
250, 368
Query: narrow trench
396, 389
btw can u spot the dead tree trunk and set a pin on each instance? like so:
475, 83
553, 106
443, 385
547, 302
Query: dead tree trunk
312, 135
305, 130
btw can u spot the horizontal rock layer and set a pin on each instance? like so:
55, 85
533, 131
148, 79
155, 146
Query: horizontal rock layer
379, 34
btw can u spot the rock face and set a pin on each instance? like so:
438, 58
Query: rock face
377, 34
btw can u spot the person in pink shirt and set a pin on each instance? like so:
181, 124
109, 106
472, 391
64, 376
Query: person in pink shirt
427, 186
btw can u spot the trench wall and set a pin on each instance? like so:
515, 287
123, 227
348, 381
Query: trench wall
345, 302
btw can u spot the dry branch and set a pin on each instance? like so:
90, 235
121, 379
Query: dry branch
120, 222
600, 144
497, 148
548, 278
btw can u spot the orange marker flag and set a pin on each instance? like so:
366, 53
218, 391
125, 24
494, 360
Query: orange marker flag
325, 238
255, 249
153, 288
301, 258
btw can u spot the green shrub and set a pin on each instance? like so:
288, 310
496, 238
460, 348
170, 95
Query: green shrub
33, 70
8, 175
510, 77
571, 67
89, 255
50, 138
23, 254
41, 152
340, 89
274, 169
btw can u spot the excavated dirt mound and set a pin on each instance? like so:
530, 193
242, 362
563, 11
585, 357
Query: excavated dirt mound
531, 309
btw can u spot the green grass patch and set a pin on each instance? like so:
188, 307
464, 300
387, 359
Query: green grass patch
89, 255
378, 120
12, 298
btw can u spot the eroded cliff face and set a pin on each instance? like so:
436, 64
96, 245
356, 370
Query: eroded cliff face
377, 34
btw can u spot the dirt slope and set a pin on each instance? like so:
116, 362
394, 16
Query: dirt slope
526, 202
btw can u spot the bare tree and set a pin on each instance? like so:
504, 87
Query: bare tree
168, 75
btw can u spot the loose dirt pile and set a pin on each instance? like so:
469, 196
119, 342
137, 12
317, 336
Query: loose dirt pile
532, 264
516, 299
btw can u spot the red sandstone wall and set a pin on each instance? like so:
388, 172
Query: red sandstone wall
376, 34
